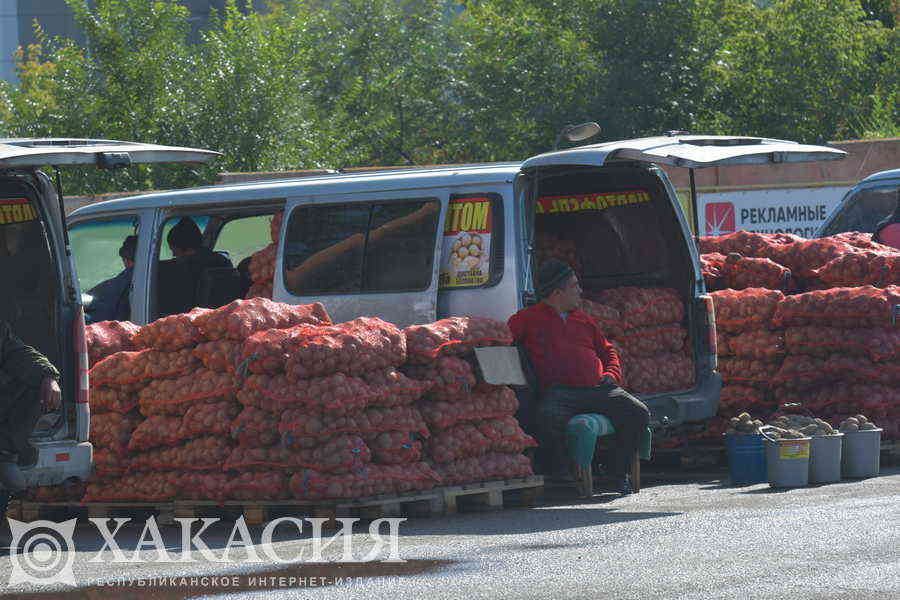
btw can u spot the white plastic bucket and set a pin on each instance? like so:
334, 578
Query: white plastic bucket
861, 453
825, 458
787, 462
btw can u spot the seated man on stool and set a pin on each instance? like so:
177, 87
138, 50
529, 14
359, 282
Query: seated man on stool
578, 371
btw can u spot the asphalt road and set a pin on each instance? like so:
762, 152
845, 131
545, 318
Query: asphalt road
688, 540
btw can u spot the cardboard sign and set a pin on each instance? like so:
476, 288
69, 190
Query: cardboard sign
466, 251
583, 202
16, 210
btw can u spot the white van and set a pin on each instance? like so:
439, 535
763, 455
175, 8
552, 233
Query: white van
41, 299
386, 243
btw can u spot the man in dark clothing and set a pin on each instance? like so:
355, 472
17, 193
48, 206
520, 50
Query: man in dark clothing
578, 371
111, 297
888, 231
28, 387
179, 277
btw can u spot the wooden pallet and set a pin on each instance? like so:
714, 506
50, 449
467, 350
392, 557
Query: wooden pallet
435, 502
492, 495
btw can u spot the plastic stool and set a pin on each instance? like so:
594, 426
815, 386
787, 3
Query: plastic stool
582, 433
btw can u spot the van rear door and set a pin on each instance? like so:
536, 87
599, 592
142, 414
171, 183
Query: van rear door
363, 254
37, 152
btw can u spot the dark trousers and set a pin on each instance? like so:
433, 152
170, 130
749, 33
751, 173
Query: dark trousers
628, 415
19, 413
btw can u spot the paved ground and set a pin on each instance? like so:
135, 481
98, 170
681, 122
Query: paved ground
689, 540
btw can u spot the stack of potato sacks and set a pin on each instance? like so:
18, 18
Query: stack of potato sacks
646, 325
262, 263
473, 431
327, 412
183, 385
831, 343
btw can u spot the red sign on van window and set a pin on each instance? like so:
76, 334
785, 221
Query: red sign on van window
581, 202
16, 210
719, 218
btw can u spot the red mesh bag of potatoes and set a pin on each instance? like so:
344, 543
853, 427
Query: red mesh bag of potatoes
136, 487
741, 272
272, 485
878, 343
505, 434
854, 307
113, 430
275, 226
260, 289
240, 319
643, 307
156, 431
747, 243
200, 454
863, 241
108, 337
761, 344
338, 394
69, 492
109, 464
723, 343
255, 427
864, 267
390, 388
804, 257
221, 355
665, 372
712, 266
199, 485
742, 398
648, 341
747, 371
130, 370
497, 401
454, 336
210, 419
549, 246
262, 263
863, 370
353, 348
744, 310
303, 429
339, 454
107, 400
175, 396
460, 441
800, 372
370, 481
490, 467
608, 318
450, 376
171, 333
395, 448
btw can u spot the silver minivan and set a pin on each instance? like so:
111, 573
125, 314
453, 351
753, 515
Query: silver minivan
412, 245
42, 300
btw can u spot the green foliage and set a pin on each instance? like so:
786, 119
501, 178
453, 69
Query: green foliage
345, 83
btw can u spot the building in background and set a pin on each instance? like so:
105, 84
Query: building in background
17, 23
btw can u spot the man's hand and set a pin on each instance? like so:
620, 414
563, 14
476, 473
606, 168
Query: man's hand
51, 395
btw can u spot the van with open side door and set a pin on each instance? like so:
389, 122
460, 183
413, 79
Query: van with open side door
42, 300
412, 245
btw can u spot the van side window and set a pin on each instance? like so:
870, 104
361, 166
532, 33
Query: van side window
363, 247
472, 247
96, 245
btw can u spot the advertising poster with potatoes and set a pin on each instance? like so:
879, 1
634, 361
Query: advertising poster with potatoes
465, 258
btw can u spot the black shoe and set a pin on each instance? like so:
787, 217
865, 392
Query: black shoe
623, 486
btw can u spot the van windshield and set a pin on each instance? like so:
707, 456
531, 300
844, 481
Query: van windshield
864, 210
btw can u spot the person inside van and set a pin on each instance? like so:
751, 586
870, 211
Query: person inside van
888, 231
578, 371
178, 277
111, 297
28, 387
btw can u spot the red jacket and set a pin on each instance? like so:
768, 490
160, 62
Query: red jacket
566, 352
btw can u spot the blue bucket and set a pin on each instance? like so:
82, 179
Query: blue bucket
746, 458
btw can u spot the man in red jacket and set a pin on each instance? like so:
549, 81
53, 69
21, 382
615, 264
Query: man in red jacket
578, 371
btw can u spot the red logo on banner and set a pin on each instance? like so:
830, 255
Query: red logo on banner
719, 218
